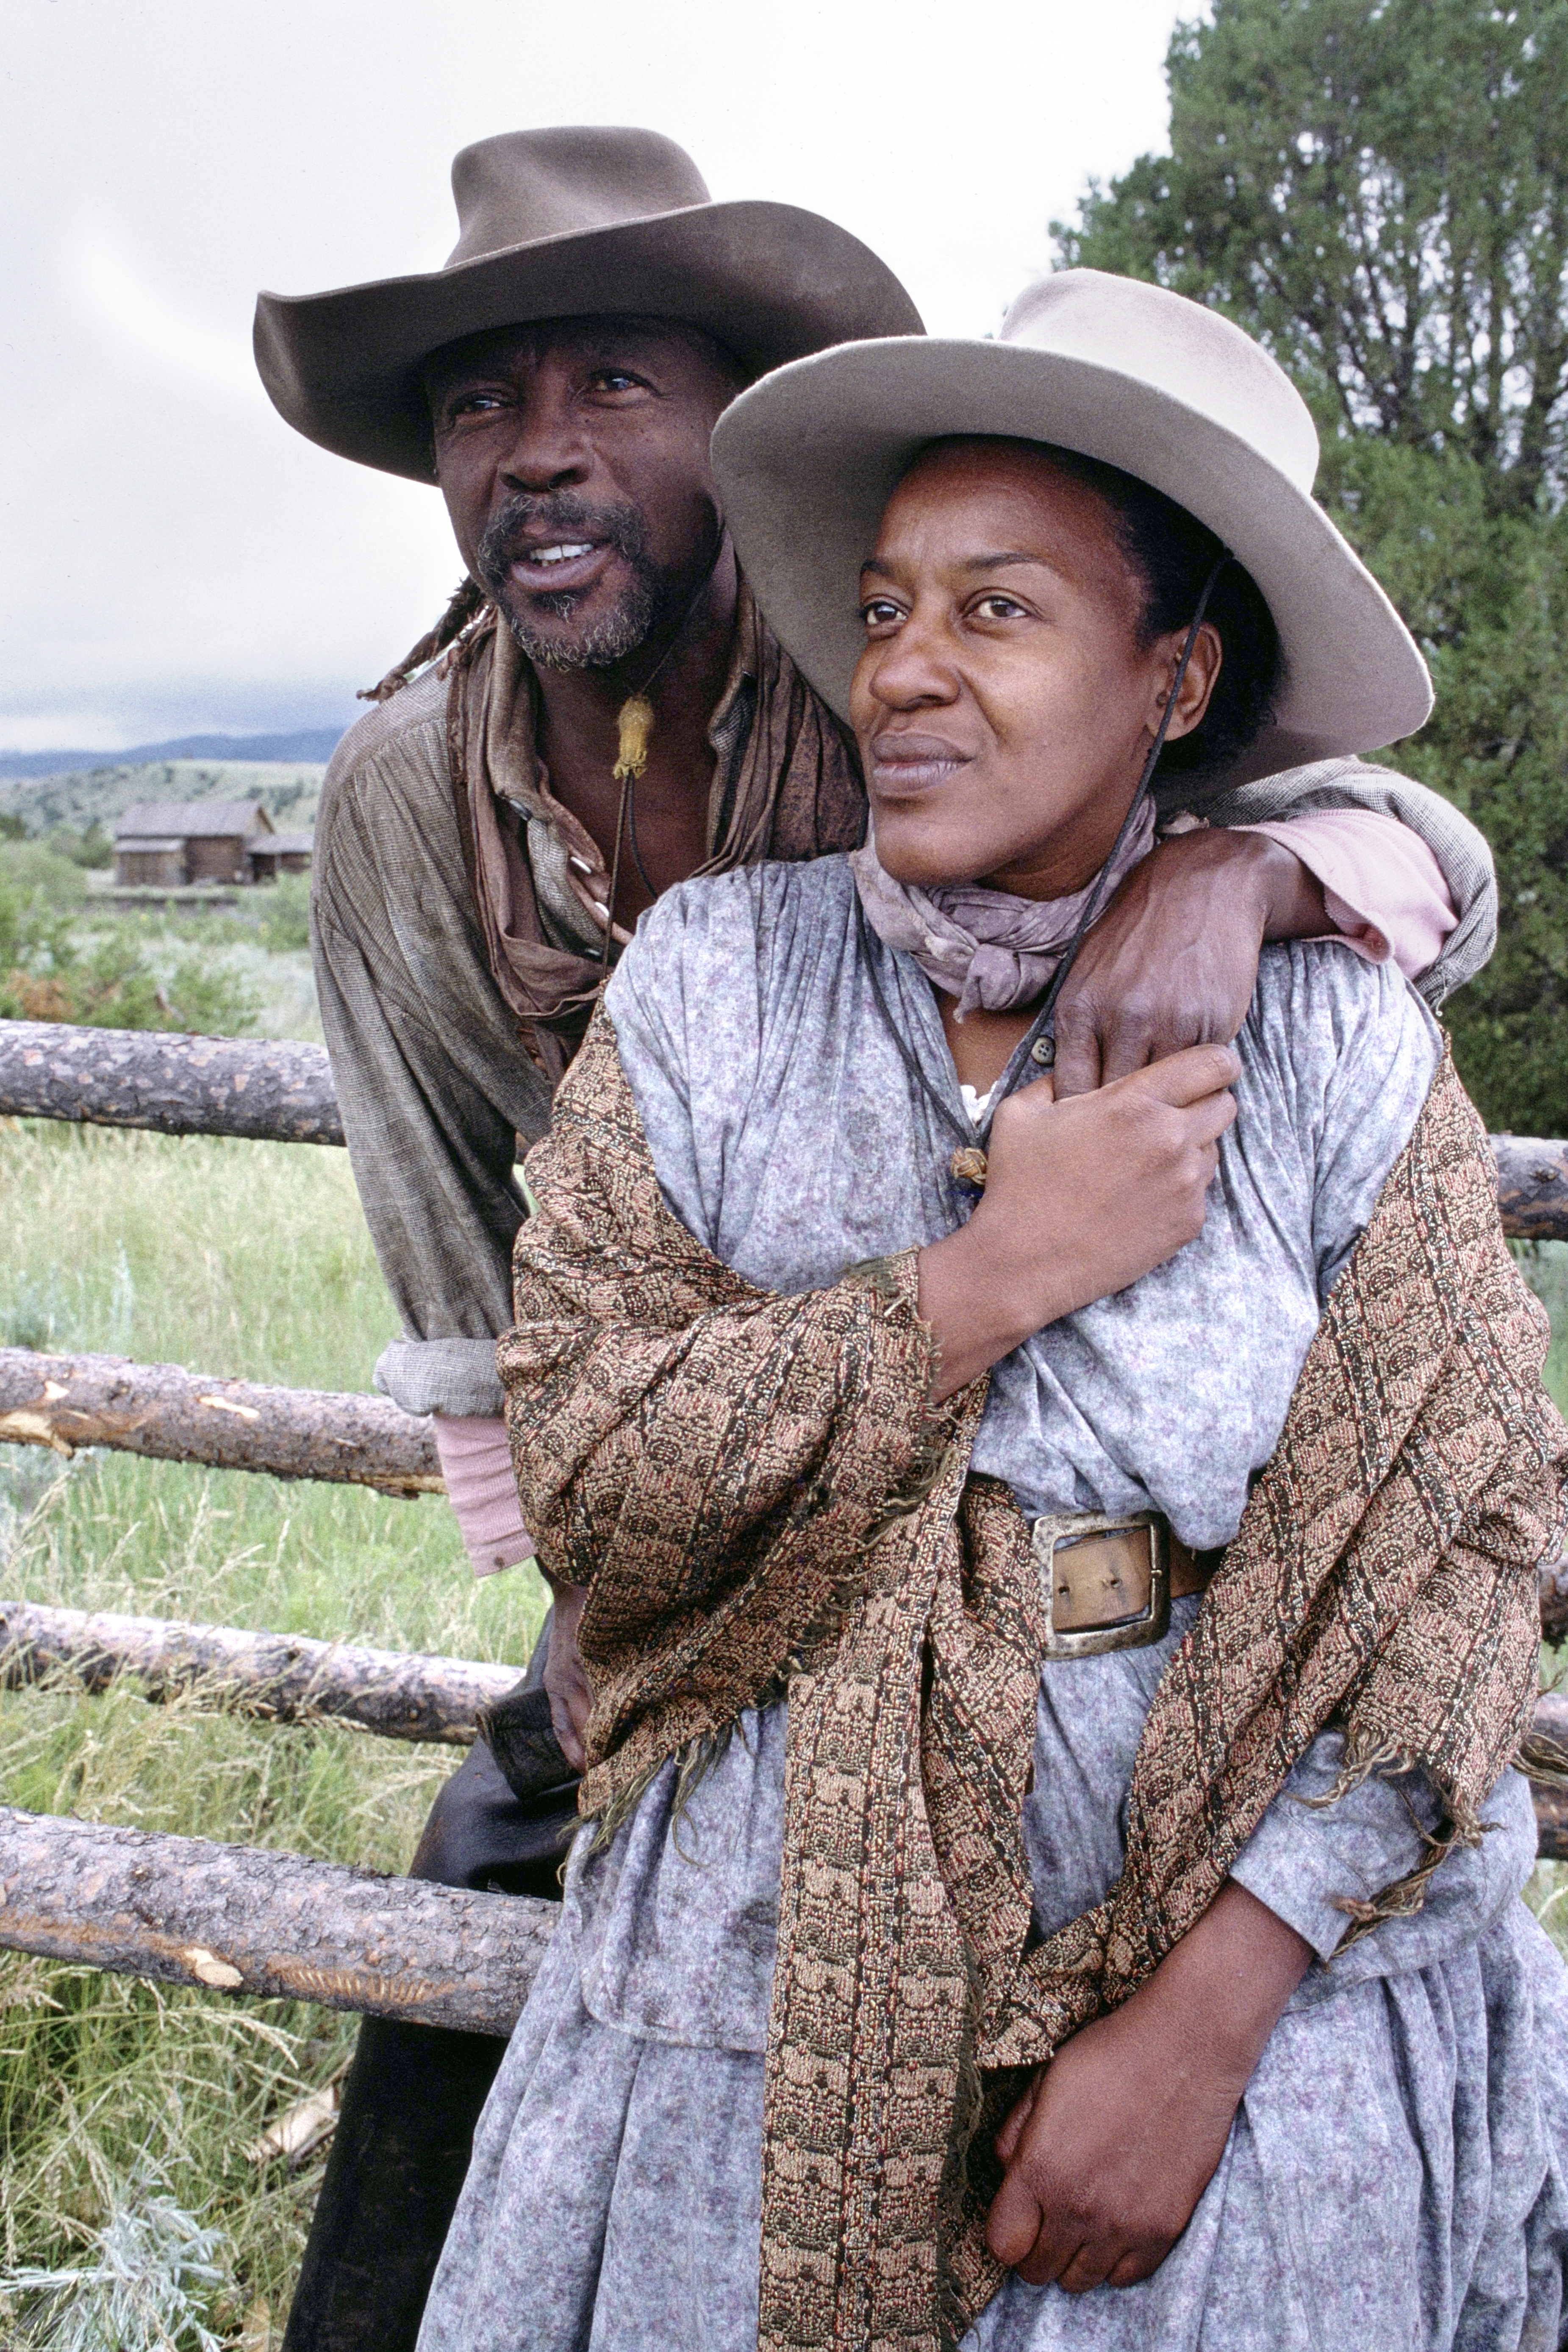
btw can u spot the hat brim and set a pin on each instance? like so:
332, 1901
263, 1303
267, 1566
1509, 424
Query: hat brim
769, 281
806, 459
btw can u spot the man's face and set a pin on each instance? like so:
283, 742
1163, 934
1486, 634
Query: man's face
573, 457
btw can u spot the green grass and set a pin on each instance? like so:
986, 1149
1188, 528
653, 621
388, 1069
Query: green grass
248, 1259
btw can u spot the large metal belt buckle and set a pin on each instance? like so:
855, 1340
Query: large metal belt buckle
1107, 1580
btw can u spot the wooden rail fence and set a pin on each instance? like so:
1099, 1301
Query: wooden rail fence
269, 1089
282, 1678
65, 1402
280, 1092
237, 1918
289, 1678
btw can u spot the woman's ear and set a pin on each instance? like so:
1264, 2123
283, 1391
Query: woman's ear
1198, 680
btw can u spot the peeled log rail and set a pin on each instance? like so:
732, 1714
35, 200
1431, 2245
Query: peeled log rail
173, 1415
1551, 1822
1551, 1803
1531, 1187
278, 1091
277, 1926
239, 1919
284, 1677
270, 1089
288, 1678
1553, 1583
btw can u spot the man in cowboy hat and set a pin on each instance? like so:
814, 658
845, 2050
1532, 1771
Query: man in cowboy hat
602, 712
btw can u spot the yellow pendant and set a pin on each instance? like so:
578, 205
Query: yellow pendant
635, 721
969, 1167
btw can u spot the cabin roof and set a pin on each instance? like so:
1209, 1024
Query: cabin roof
191, 821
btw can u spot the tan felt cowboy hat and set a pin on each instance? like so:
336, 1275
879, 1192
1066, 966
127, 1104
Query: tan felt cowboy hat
1117, 370
568, 224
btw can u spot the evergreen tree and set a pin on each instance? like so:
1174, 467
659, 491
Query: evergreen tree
1379, 190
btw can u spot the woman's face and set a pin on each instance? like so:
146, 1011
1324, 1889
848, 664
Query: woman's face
1004, 702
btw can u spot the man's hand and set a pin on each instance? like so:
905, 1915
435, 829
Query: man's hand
566, 1683
1172, 960
1109, 2153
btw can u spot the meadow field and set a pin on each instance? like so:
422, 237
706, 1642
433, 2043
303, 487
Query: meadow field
128, 2111
123, 2098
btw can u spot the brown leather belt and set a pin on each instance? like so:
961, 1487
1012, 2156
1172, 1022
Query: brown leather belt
1108, 1579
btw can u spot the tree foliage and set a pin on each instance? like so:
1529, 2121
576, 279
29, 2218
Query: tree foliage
1379, 190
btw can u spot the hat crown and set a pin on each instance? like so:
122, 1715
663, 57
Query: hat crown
1179, 347
525, 185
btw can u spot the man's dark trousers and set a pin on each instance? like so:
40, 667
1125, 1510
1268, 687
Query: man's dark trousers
413, 2093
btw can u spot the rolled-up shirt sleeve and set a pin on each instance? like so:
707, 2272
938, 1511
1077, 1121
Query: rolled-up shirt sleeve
1291, 795
433, 1079
477, 1464
1384, 890
1314, 1857
1309, 1856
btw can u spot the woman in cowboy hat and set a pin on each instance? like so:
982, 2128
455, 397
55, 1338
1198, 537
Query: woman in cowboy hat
1062, 1593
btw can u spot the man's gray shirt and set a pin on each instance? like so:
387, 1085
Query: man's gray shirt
437, 1084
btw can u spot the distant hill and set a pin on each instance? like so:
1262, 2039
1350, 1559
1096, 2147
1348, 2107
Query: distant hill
288, 788
309, 745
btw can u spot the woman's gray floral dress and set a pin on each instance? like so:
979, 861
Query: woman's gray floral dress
1395, 2181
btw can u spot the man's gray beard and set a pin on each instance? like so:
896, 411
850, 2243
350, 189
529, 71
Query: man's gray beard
598, 647
604, 642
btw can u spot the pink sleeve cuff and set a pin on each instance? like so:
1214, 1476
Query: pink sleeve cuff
1382, 886
477, 1464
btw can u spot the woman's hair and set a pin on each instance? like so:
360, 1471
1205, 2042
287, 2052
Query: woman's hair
1174, 554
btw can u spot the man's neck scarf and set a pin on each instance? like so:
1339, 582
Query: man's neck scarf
785, 784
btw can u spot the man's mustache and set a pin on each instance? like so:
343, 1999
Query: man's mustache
561, 515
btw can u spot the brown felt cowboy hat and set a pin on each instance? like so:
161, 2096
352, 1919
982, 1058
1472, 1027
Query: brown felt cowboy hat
568, 224
1115, 369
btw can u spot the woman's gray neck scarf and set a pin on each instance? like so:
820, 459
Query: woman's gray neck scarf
986, 947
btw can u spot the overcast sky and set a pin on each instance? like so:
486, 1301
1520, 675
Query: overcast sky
173, 557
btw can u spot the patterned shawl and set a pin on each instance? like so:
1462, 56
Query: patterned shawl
762, 1501
786, 784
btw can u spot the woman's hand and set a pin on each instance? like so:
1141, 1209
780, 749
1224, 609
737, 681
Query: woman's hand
1082, 1198
1109, 2153
1172, 960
